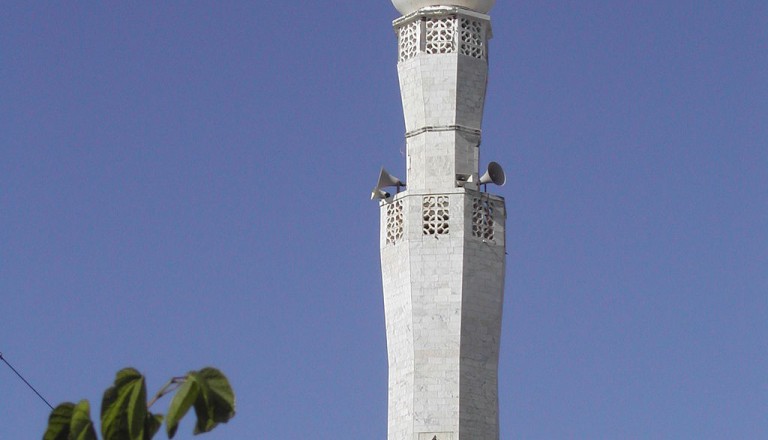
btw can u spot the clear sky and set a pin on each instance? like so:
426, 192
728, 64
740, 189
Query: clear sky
185, 184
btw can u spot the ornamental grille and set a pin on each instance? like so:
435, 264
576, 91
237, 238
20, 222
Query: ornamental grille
408, 41
472, 38
482, 219
440, 35
435, 215
394, 222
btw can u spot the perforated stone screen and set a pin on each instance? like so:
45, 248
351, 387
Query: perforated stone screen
394, 222
435, 214
472, 43
482, 218
408, 40
441, 34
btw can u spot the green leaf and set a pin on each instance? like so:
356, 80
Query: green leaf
182, 401
58, 422
81, 426
152, 425
215, 402
124, 407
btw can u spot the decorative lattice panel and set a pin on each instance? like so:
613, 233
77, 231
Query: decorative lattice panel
441, 35
482, 218
394, 222
472, 41
408, 37
435, 214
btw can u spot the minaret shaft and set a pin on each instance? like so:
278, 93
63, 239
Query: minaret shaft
443, 301
443, 71
443, 241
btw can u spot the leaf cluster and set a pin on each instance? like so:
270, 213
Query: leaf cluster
125, 412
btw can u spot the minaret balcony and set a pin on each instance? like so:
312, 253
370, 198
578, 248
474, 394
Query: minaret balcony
443, 30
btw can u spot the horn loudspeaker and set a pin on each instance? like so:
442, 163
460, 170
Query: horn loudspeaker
494, 174
385, 180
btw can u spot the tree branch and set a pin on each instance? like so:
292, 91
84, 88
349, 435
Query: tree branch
169, 386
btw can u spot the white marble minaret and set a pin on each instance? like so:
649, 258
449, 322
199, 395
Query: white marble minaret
442, 238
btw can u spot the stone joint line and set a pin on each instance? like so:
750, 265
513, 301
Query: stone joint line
460, 128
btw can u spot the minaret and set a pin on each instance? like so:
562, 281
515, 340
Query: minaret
442, 237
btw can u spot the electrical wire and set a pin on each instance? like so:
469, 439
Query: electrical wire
25, 381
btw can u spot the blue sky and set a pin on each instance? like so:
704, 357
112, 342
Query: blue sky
186, 184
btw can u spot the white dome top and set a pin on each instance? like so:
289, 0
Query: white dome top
407, 6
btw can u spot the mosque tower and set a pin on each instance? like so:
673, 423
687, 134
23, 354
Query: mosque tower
442, 236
